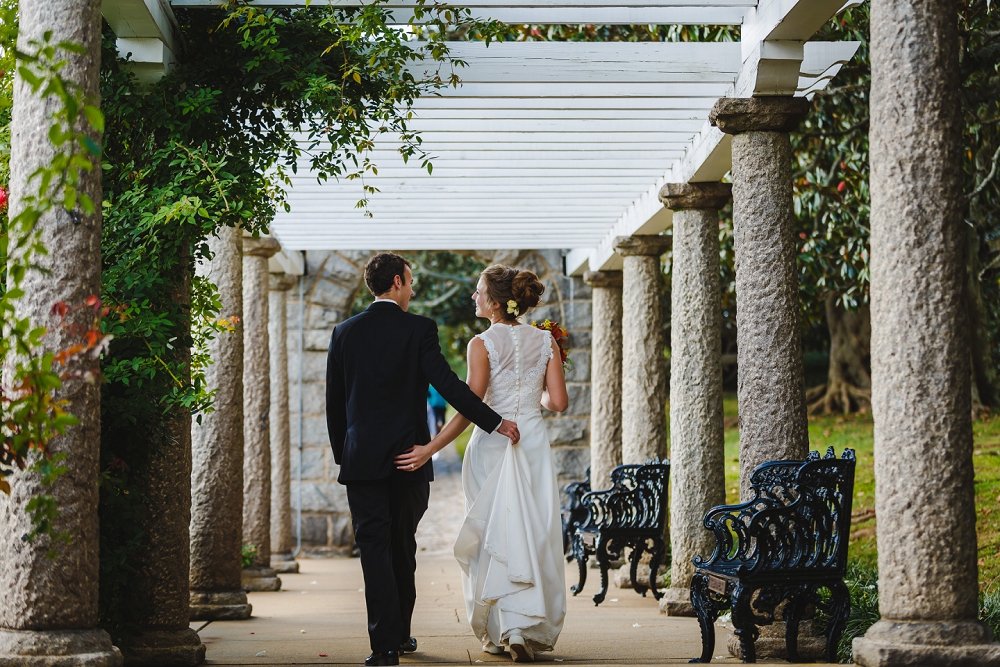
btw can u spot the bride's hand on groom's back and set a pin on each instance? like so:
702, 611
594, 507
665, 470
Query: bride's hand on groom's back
508, 429
414, 458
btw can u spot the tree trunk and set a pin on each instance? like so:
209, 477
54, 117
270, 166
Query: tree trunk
848, 385
985, 384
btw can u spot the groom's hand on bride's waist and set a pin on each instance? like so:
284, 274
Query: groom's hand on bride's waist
508, 429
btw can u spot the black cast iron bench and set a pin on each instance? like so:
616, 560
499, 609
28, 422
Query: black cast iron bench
632, 513
573, 512
787, 544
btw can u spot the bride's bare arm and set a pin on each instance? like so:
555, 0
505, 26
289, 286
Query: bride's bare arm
478, 381
554, 397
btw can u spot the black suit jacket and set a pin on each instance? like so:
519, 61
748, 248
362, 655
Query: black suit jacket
378, 368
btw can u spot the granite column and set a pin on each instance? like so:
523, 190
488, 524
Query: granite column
165, 637
48, 608
771, 388
697, 456
605, 376
217, 450
282, 539
921, 393
258, 576
644, 371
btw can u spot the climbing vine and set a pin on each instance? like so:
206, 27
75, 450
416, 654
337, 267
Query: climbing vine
256, 95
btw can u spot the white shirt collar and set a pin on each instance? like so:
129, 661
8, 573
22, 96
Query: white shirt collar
386, 301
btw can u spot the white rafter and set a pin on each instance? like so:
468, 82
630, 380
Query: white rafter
556, 144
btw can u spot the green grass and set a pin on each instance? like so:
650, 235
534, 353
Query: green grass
855, 431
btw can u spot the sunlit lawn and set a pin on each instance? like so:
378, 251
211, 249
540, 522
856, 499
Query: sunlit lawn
855, 431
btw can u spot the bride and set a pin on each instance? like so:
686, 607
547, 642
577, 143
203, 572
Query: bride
510, 546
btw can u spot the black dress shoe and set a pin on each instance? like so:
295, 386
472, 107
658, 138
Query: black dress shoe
409, 646
387, 658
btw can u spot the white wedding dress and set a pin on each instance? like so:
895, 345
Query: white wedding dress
510, 546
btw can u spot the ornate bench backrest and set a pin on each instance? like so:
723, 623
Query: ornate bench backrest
637, 499
799, 515
811, 532
772, 485
574, 492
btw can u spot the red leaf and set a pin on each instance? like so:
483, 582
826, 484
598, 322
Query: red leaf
59, 309
92, 301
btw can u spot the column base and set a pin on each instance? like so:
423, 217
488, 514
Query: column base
165, 648
771, 645
677, 602
220, 606
284, 564
58, 648
260, 579
928, 644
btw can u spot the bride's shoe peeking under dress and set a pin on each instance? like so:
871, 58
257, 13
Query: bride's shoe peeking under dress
510, 546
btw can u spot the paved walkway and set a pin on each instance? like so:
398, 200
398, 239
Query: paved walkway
319, 615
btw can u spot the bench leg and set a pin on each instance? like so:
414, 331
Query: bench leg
840, 610
707, 611
657, 553
602, 560
581, 561
745, 629
637, 550
793, 614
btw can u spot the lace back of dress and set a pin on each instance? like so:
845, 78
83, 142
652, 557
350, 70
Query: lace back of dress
518, 356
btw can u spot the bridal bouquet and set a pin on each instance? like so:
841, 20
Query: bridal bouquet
562, 340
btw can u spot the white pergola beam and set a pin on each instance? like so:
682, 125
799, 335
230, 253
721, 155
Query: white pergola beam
605, 12
544, 144
144, 29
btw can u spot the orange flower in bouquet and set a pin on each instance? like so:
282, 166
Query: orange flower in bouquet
562, 340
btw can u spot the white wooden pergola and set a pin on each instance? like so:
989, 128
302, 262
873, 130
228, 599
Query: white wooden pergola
548, 144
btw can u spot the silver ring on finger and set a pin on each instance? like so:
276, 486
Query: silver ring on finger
411, 466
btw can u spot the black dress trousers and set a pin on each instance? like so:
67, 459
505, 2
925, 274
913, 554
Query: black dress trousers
385, 513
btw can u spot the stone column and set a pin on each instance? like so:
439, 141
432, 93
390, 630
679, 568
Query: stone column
771, 390
165, 636
256, 414
644, 371
920, 361
697, 456
48, 608
282, 539
605, 376
217, 451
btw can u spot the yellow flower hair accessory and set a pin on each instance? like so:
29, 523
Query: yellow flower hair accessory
512, 307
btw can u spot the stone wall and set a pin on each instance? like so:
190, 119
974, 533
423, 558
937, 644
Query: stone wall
332, 281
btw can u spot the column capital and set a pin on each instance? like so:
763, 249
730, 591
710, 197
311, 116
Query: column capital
709, 196
603, 278
642, 244
734, 115
262, 246
281, 282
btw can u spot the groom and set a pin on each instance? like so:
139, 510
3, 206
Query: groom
378, 368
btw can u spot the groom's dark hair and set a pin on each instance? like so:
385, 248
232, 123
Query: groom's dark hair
381, 271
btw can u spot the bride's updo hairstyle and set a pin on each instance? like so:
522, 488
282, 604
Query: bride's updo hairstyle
505, 284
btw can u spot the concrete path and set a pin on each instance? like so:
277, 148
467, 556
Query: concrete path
319, 615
